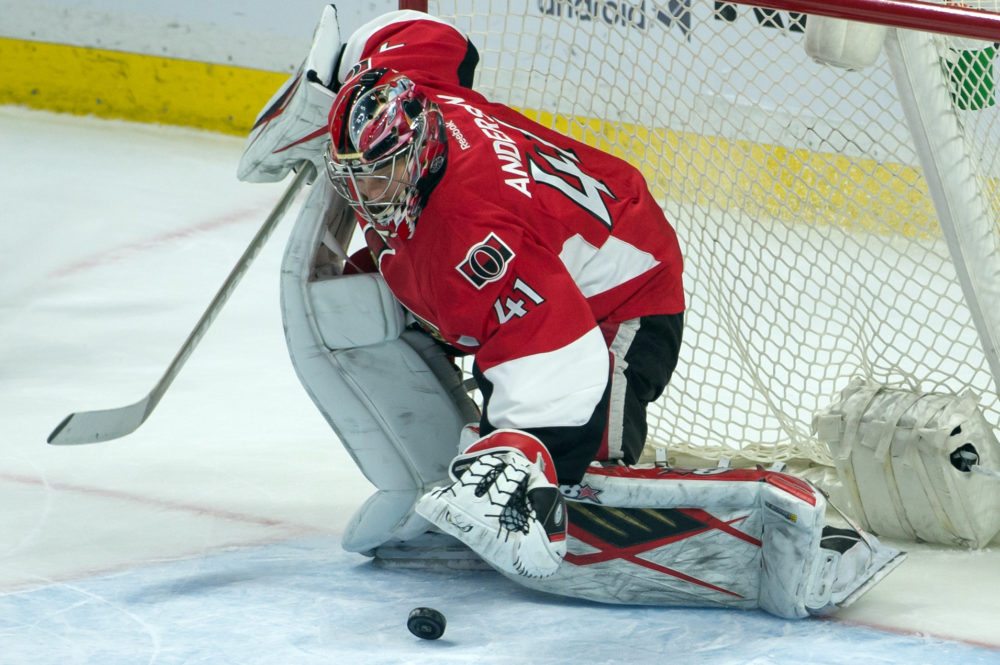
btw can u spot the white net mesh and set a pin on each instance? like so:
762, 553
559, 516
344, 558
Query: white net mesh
813, 251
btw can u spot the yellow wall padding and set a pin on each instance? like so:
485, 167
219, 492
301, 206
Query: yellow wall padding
143, 88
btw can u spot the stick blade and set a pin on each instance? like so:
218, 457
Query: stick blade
95, 426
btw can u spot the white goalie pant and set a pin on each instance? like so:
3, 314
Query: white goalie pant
391, 395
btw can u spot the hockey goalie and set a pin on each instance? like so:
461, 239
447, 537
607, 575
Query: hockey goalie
550, 265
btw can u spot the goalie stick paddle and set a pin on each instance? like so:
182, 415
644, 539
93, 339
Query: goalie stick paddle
103, 425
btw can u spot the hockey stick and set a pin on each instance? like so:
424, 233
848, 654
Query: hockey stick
94, 426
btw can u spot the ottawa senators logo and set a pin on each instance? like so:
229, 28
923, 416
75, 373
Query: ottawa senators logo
486, 262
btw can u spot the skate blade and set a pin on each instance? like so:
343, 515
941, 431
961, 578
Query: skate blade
429, 551
866, 586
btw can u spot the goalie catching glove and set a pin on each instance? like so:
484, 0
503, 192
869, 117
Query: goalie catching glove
504, 503
293, 125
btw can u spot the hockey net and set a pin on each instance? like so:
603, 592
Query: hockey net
810, 209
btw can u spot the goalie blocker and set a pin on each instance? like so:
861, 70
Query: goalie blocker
746, 539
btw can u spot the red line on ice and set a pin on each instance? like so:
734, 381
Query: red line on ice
161, 503
907, 631
37, 581
291, 529
109, 255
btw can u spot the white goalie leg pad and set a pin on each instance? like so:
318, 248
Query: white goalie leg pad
740, 538
504, 504
655, 536
292, 125
392, 397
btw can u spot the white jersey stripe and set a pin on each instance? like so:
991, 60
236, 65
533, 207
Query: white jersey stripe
596, 270
616, 411
558, 388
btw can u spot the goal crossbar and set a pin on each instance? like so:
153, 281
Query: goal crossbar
948, 19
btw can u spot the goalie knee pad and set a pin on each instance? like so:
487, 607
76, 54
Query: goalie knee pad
393, 398
915, 465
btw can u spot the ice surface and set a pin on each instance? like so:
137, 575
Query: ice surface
211, 535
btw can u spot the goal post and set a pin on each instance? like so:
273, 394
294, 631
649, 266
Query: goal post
836, 223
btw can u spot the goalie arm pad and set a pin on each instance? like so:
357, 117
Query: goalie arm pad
292, 127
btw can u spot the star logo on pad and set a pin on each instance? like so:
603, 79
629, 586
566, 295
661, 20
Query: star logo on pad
588, 493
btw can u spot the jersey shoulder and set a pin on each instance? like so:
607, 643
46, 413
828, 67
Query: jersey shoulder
417, 44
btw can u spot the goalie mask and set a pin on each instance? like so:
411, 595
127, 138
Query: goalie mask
388, 146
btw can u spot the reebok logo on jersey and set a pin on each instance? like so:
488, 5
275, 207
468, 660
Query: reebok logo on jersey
486, 261
507, 152
457, 133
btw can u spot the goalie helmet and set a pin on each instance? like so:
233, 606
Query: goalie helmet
388, 147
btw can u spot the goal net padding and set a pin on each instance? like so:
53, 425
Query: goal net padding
838, 224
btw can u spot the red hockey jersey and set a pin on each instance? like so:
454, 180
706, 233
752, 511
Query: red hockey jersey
529, 241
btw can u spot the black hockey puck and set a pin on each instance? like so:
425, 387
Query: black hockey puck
426, 623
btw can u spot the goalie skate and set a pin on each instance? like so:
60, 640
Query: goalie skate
855, 562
